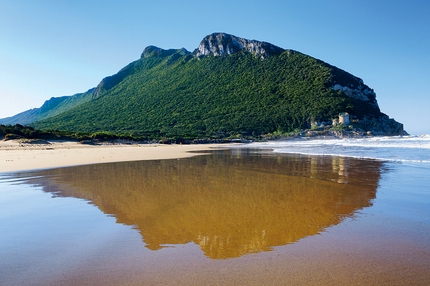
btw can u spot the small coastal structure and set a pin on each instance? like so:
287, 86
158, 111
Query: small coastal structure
344, 118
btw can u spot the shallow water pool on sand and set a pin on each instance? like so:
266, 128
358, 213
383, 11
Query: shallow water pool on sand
238, 217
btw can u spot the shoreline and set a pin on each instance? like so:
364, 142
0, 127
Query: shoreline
33, 154
17, 157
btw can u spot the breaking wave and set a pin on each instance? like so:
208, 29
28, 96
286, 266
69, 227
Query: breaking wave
397, 148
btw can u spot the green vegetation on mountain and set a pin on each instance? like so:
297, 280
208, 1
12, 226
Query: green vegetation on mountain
229, 87
174, 94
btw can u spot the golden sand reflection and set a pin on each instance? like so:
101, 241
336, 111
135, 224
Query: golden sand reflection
230, 203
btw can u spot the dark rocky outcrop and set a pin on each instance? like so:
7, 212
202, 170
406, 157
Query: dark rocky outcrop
382, 125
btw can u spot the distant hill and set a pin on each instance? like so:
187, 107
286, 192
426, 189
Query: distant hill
51, 107
228, 86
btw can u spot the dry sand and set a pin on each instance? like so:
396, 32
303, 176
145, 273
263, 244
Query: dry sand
19, 156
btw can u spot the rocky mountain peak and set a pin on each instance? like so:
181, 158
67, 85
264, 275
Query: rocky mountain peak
222, 44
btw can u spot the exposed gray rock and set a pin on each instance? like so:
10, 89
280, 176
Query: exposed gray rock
221, 44
361, 92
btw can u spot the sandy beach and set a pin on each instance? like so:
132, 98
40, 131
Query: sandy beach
18, 156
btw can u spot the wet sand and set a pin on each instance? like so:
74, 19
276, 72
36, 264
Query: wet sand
231, 218
16, 156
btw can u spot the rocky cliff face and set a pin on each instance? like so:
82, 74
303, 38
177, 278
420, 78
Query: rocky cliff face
352, 86
360, 92
221, 44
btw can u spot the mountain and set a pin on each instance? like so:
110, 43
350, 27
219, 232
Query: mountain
51, 107
228, 86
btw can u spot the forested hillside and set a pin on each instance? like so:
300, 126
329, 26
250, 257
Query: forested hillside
227, 87
180, 95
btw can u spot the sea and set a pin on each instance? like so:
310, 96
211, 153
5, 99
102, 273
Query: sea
353, 211
406, 149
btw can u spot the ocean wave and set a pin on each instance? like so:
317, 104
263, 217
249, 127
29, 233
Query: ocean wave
374, 142
403, 160
397, 148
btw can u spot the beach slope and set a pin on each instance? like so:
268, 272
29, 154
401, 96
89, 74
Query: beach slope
18, 156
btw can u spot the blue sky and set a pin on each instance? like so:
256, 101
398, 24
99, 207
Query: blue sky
50, 48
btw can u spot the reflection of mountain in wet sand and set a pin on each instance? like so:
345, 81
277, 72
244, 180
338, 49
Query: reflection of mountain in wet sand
230, 203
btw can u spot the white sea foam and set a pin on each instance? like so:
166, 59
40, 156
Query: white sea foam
399, 148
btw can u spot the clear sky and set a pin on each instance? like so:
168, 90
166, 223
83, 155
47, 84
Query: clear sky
51, 48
